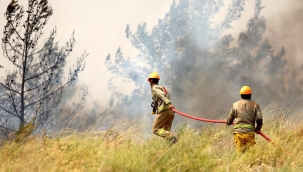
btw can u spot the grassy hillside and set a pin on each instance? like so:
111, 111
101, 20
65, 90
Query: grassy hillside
209, 148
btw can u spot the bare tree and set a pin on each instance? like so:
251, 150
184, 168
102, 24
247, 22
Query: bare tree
34, 88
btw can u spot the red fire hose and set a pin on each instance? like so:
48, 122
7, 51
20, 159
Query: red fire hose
196, 118
215, 121
221, 121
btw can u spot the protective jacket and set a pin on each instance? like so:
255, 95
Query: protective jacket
245, 113
160, 97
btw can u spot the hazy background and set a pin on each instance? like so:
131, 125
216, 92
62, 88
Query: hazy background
100, 29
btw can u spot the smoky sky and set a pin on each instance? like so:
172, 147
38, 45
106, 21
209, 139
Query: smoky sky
260, 55
100, 29
275, 80
273, 77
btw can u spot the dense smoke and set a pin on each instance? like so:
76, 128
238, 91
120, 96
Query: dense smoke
201, 69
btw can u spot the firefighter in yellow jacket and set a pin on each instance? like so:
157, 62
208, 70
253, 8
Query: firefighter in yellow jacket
162, 103
245, 113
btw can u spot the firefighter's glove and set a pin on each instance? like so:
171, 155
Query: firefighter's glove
153, 112
171, 106
257, 131
258, 128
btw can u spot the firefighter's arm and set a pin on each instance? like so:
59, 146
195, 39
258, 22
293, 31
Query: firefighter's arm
259, 118
171, 106
231, 116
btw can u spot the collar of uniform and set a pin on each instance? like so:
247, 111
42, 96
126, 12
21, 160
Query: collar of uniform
154, 85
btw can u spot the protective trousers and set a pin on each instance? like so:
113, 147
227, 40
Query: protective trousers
163, 123
244, 140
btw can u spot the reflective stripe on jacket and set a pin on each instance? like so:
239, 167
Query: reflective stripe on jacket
160, 97
245, 113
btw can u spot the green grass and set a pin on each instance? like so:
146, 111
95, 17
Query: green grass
125, 148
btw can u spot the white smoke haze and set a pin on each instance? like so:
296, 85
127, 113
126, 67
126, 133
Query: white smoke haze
268, 67
100, 29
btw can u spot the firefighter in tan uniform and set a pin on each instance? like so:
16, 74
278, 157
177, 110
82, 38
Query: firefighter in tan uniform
245, 113
162, 103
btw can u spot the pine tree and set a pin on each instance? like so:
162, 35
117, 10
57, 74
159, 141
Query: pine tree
34, 88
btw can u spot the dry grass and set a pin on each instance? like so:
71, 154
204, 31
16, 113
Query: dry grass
124, 147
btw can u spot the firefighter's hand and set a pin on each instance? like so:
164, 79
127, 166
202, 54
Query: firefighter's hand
228, 123
171, 106
258, 129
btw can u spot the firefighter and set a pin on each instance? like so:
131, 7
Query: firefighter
245, 113
163, 105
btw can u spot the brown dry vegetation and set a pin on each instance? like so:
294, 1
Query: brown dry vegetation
124, 147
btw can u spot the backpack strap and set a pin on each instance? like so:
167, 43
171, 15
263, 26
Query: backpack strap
164, 90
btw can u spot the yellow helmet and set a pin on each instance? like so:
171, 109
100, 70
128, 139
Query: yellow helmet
153, 75
245, 90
